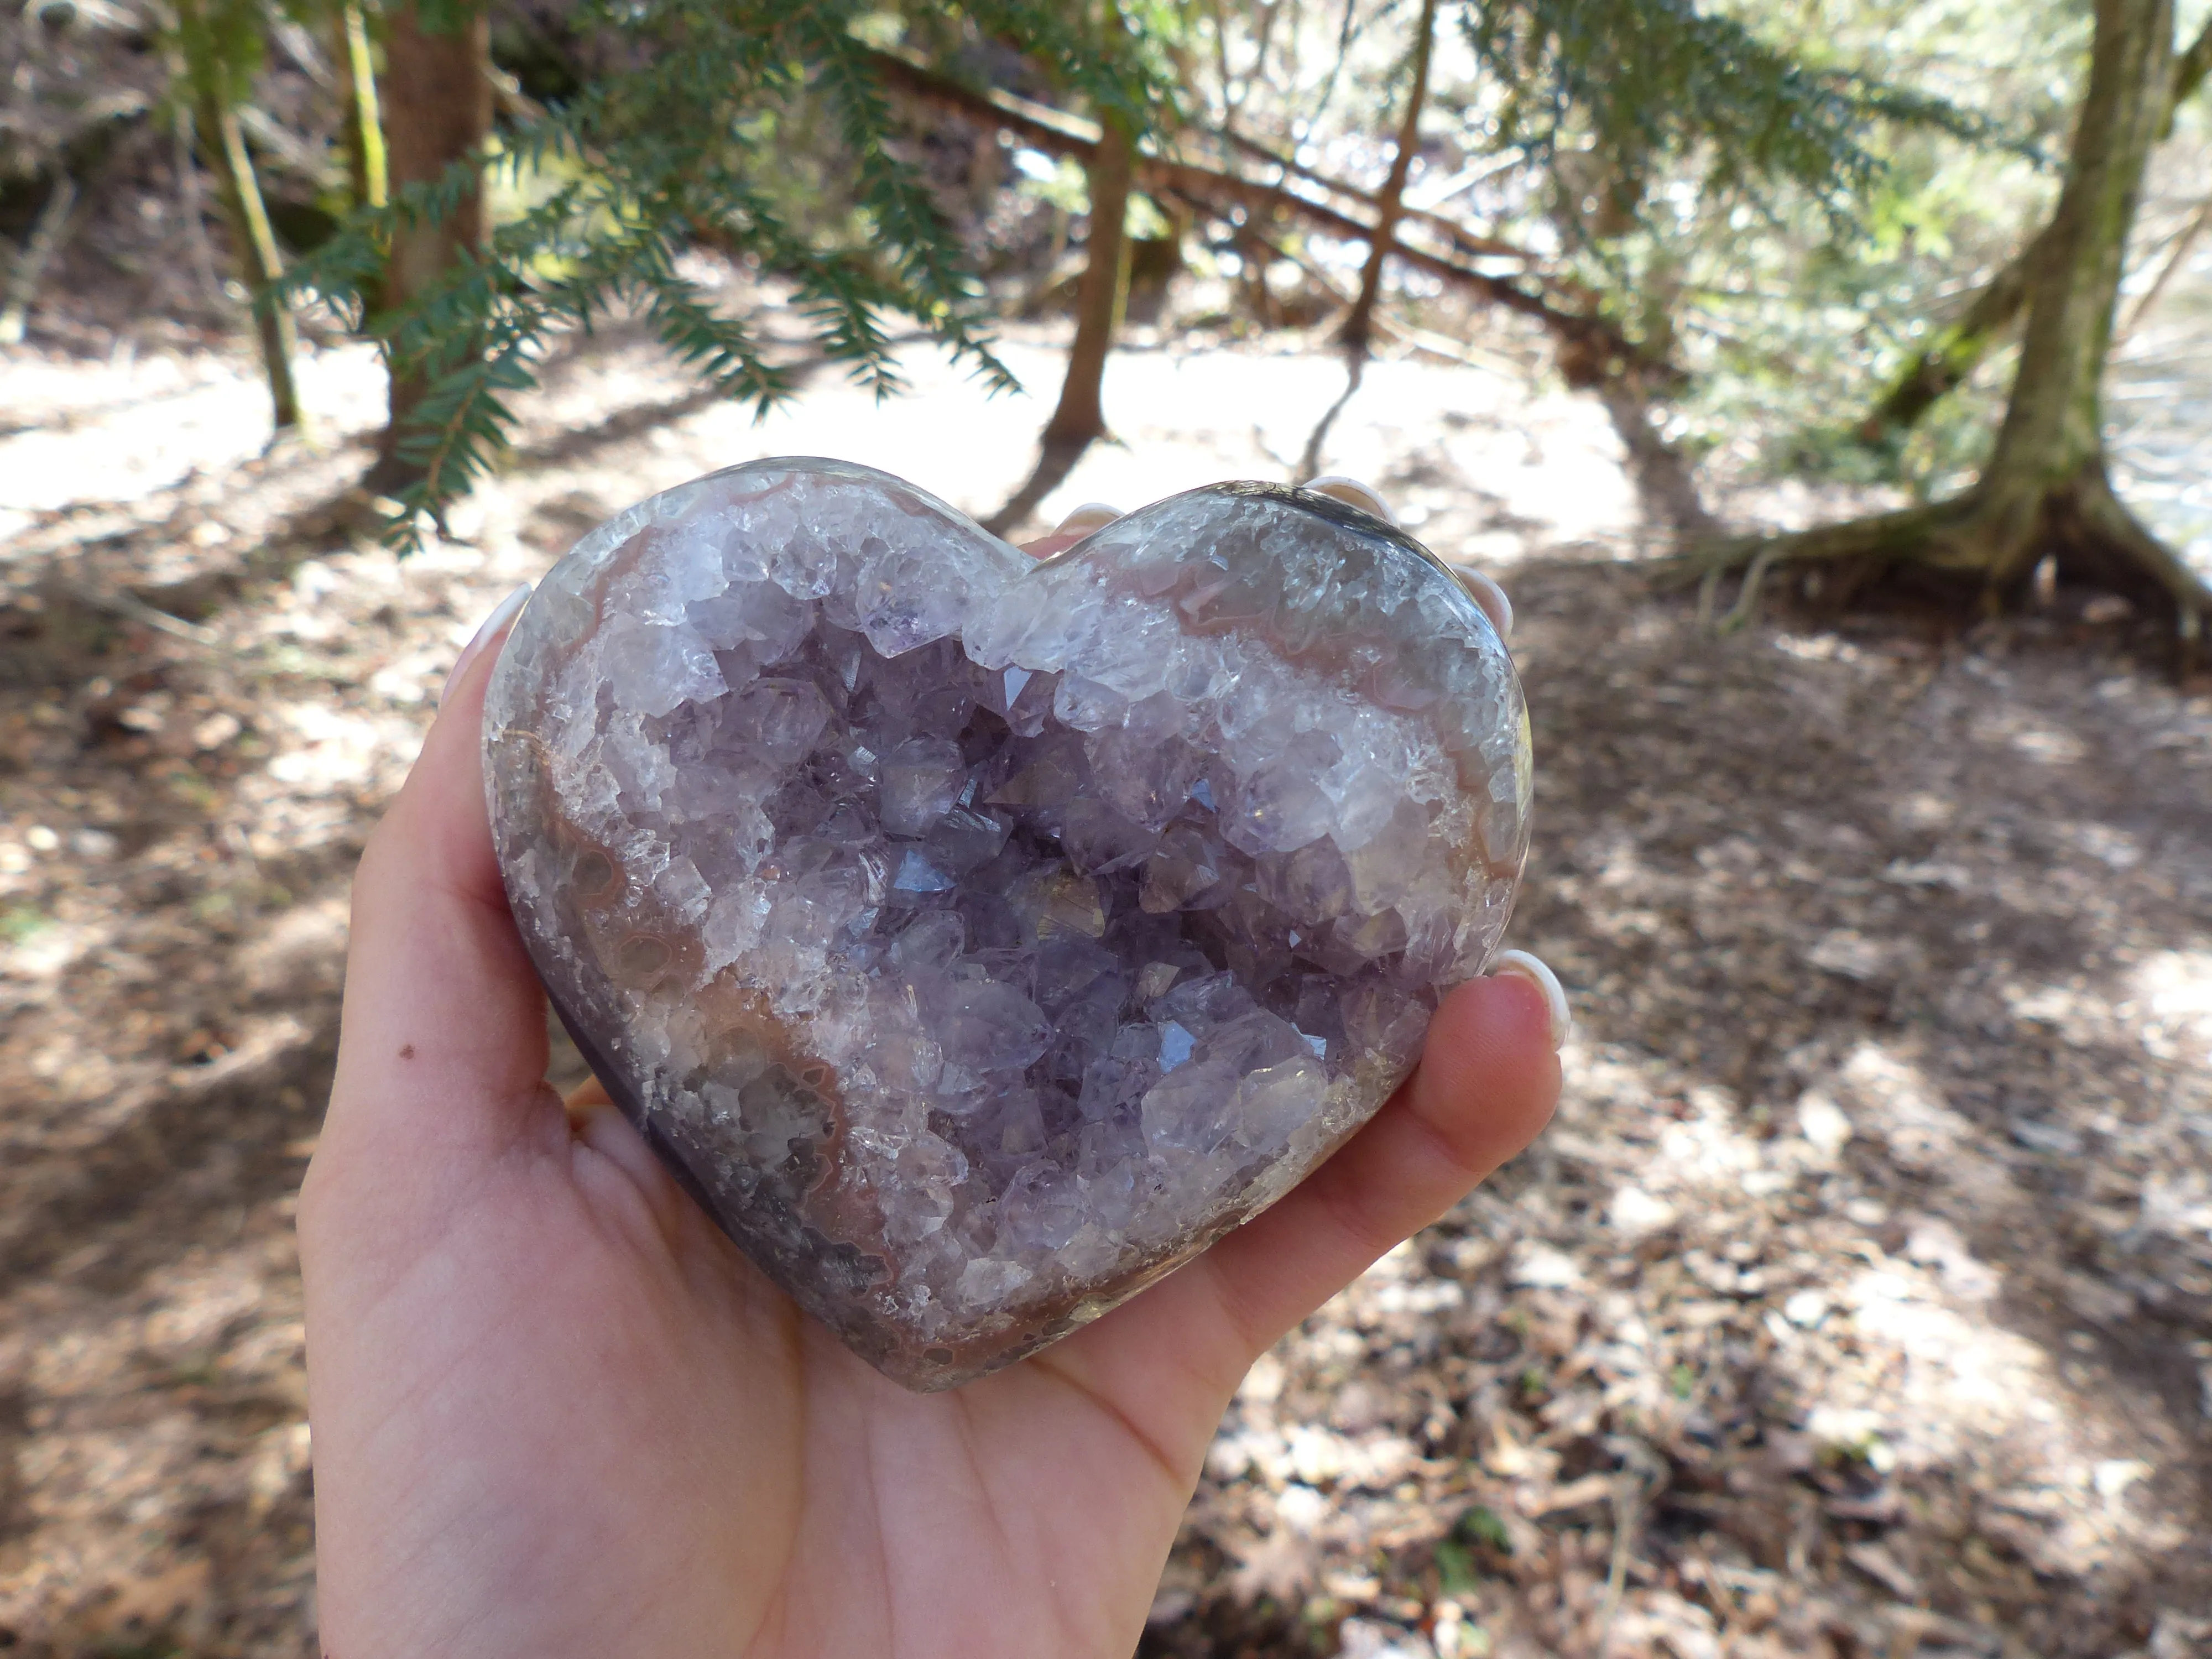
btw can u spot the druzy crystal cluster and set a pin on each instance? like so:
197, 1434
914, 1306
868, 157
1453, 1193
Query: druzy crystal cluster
978, 937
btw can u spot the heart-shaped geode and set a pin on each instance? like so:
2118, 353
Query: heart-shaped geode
976, 938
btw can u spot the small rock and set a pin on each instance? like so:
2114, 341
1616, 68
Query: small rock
1823, 1123
1806, 1309
1540, 1266
2053, 1138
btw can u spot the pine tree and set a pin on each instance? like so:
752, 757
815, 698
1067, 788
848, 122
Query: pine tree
1607, 97
674, 146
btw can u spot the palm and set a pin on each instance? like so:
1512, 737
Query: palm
660, 1447
555, 1411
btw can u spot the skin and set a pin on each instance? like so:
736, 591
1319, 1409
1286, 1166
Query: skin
555, 1412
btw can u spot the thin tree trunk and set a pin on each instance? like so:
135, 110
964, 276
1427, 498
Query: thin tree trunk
45, 238
437, 109
2190, 68
1317, 440
215, 113
364, 128
1081, 417
1080, 420
1358, 322
1357, 332
272, 318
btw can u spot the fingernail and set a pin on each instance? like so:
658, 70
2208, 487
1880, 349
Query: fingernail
1533, 970
1091, 515
1351, 493
1490, 597
502, 613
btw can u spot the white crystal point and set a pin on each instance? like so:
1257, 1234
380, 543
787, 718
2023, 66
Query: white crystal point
976, 939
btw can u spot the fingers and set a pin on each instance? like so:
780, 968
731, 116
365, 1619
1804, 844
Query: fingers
492, 628
1351, 493
442, 1046
1531, 967
1490, 596
1091, 515
598, 1123
1488, 1081
585, 1096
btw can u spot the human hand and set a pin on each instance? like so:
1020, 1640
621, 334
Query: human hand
555, 1411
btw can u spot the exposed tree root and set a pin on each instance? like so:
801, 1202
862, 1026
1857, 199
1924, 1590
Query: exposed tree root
1978, 551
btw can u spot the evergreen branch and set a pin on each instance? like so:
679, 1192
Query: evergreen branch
1702, 82
679, 147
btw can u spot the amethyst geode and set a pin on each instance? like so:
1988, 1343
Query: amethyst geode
978, 938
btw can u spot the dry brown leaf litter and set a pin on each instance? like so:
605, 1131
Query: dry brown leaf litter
1859, 1303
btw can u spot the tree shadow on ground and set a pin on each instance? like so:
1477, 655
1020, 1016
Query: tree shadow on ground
1864, 1285
1861, 1287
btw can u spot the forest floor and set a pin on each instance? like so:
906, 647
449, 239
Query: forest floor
1859, 1303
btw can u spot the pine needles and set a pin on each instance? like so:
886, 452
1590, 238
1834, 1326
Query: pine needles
679, 148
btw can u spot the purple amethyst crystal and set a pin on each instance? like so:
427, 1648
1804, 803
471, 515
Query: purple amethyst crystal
979, 938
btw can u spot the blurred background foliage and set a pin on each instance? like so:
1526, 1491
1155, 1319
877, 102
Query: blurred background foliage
1751, 218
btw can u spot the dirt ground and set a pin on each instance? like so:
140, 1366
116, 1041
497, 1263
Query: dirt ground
1858, 1303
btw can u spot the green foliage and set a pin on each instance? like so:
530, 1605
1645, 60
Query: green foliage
1482, 1526
223, 43
1645, 80
1787, 204
1455, 1570
1457, 1573
685, 146
19, 922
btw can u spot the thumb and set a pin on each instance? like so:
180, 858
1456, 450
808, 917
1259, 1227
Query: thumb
441, 1047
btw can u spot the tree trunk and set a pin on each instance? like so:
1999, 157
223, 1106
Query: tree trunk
1666, 479
2045, 494
2052, 441
437, 109
214, 116
1945, 366
1080, 418
1360, 321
